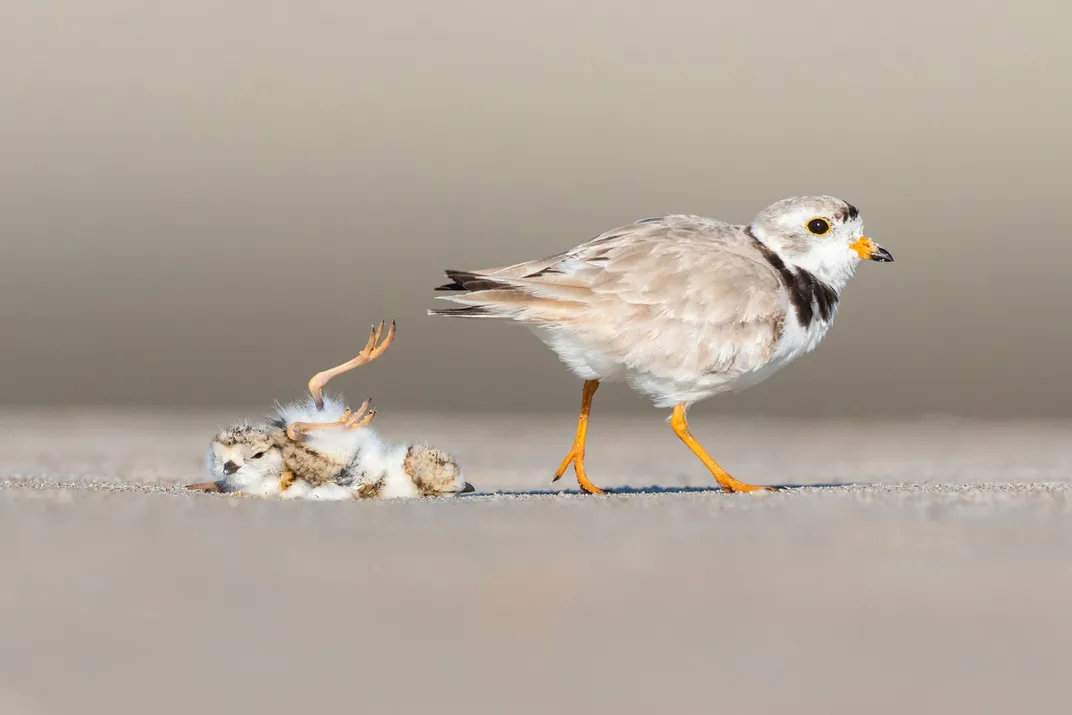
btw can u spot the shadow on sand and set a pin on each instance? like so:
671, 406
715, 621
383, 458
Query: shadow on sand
654, 489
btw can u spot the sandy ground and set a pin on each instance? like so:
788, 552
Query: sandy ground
934, 573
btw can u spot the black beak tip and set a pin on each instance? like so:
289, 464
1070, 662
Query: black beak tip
882, 256
230, 468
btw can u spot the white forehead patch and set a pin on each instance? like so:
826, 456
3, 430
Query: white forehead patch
225, 454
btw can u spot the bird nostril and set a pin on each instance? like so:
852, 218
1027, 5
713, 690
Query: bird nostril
230, 468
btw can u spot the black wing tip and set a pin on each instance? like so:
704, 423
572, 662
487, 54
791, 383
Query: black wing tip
457, 278
469, 281
469, 311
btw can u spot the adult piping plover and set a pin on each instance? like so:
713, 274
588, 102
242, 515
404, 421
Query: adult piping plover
317, 448
680, 307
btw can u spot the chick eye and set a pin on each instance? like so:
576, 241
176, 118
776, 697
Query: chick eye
258, 455
818, 226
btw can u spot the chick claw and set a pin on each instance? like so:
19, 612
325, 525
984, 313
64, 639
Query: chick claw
299, 431
360, 418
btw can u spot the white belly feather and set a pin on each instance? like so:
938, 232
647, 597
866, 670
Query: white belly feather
679, 378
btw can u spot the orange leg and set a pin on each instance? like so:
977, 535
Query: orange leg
728, 483
576, 453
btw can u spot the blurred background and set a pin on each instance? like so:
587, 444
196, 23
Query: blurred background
202, 203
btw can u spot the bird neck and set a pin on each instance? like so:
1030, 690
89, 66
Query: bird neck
830, 264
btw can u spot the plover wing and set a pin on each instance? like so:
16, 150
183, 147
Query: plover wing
663, 303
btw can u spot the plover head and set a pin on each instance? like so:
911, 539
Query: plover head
244, 456
820, 234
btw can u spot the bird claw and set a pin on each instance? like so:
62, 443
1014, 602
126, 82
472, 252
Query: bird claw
576, 458
361, 418
372, 350
299, 431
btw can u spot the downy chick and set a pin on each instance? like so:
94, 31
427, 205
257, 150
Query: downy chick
318, 449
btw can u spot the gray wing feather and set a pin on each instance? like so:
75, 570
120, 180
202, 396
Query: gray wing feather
637, 286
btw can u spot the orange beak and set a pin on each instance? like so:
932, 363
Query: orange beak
869, 250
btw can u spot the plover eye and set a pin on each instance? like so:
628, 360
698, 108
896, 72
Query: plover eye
819, 226
258, 455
